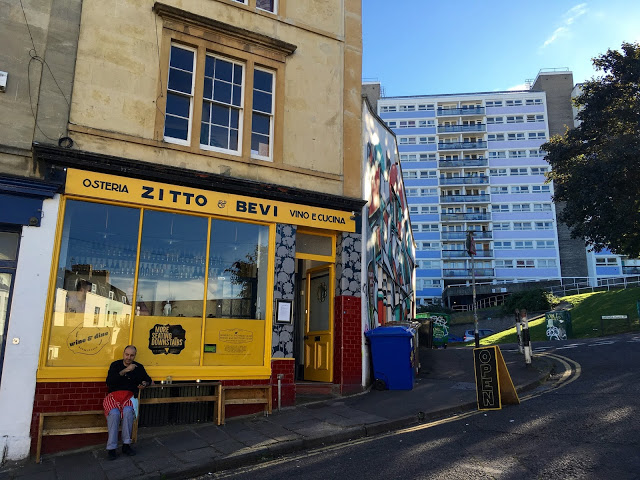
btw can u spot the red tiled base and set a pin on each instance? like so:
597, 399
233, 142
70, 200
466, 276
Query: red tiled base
347, 366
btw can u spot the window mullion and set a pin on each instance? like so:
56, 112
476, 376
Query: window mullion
197, 97
247, 107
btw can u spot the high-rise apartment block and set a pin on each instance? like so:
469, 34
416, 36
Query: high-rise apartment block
472, 162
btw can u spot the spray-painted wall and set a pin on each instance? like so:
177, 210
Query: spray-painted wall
389, 250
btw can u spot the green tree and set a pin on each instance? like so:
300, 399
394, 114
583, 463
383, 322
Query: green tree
596, 166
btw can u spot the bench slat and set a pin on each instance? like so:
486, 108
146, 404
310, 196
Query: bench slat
201, 398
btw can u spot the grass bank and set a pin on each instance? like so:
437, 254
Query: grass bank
586, 313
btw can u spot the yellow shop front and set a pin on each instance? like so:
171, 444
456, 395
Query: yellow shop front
184, 274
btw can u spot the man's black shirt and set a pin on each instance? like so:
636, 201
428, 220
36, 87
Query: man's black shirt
129, 381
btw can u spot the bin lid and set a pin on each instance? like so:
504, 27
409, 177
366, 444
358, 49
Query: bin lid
390, 332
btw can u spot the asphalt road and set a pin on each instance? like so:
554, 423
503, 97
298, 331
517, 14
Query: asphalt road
583, 423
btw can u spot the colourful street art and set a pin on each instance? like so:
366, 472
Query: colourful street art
390, 249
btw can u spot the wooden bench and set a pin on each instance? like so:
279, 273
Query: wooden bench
148, 397
246, 395
73, 423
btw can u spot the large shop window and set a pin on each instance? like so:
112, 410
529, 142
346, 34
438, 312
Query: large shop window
178, 308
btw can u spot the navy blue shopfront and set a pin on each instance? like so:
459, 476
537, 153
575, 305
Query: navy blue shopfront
20, 205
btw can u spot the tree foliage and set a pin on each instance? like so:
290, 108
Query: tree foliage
535, 300
596, 166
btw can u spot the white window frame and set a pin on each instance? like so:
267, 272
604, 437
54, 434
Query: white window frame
191, 96
545, 244
275, 7
521, 207
504, 264
521, 226
525, 263
544, 225
541, 207
256, 155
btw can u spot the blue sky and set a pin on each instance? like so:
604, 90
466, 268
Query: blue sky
416, 47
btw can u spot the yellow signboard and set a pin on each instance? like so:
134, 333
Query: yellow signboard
155, 194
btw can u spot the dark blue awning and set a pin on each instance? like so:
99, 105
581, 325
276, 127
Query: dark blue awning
21, 199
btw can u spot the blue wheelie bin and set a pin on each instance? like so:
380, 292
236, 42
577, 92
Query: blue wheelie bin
392, 354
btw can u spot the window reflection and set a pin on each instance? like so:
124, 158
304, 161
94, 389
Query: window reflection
237, 282
94, 284
172, 265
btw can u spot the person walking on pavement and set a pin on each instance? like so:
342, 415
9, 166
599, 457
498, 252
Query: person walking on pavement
124, 379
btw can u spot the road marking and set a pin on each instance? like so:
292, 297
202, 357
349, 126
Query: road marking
570, 345
572, 371
603, 342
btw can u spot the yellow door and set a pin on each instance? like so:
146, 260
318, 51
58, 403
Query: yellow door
318, 334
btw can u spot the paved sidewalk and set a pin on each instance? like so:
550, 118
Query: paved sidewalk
445, 386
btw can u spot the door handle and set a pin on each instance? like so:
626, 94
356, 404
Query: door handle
317, 339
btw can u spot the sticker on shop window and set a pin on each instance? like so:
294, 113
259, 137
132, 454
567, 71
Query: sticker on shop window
88, 340
166, 339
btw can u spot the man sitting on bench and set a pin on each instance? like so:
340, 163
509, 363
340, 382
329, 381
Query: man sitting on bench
124, 380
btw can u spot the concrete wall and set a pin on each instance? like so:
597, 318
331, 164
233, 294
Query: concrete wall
32, 91
558, 87
117, 84
372, 92
26, 320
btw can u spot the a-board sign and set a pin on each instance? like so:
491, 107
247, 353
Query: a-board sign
493, 382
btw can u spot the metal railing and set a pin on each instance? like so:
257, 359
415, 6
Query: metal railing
564, 286
463, 253
481, 180
466, 272
468, 162
463, 235
462, 145
482, 198
481, 127
461, 217
488, 302
442, 112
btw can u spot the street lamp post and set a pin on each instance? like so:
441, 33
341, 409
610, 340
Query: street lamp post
471, 250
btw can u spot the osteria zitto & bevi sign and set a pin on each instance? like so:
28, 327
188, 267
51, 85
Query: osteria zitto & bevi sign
154, 194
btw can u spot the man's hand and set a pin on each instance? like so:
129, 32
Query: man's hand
128, 369
142, 385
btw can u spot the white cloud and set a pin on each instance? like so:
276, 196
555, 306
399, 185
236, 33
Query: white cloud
575, 12
522, 86
554, 36
569, 18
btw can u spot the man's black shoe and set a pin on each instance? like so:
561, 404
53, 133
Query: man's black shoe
127, 450
111, 454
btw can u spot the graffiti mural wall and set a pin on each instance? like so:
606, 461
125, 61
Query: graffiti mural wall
389, 252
